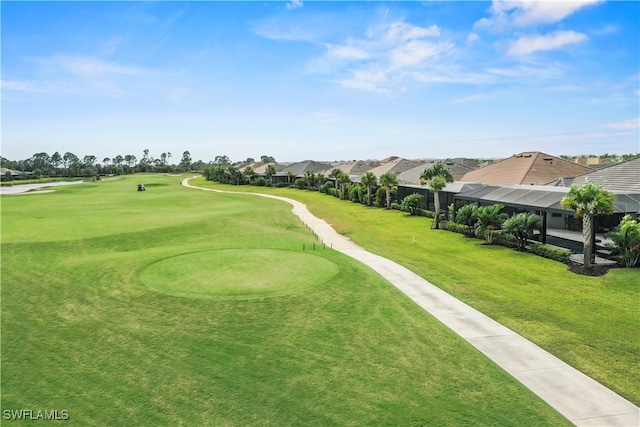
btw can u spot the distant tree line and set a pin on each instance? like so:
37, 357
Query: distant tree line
70, 165
615, 158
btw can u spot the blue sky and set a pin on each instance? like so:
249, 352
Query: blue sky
320, 80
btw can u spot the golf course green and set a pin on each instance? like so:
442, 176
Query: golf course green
237, 273
176, 306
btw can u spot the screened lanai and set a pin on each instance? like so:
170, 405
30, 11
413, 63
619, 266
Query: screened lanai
546, 202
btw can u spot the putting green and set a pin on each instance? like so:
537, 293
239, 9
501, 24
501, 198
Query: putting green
237, 273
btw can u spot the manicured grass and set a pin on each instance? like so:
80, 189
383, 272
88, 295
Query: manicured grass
592, 323
237, 273
82, 331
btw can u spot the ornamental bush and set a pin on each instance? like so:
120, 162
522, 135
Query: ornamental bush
551, 252
300, 183
324, 188
412, 204
456, 228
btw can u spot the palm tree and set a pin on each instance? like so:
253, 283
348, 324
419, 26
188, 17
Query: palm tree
437, 177
248, 174
626, 241
343, 179
334, 174
270, 171
310, 177
466, 216
388, 180
289, 176
588, 201
521, 226
489, 220
369, 179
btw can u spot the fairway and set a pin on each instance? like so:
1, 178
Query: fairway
176, 306
237, 273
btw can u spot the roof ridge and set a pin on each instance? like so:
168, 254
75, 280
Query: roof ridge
533, 161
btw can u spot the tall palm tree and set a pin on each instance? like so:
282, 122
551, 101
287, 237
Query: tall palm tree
270, 171
310, 177
369, 179
334, 174
588, 201
388, 180
437, 177
343, 179
248, 173
289, 176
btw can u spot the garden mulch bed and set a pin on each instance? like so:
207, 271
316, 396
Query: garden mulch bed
596, 270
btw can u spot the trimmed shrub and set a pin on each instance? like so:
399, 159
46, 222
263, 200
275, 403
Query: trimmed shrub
396, 206
324, 188
504, 239
356, 194
551, 252
412, 204
300, 184
260, 181
428, 214
456, 228
333, 192
381, 196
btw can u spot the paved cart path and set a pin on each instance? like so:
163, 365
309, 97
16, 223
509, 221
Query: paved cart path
580, 399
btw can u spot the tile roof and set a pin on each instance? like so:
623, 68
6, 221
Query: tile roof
356, 168
528, 168
396, 166
298, 169
458, 168
624, 176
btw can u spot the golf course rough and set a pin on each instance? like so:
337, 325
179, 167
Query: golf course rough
238, 273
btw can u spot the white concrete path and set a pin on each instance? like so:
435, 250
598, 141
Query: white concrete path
579, 398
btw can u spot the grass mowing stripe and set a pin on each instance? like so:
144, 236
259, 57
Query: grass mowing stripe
82, 332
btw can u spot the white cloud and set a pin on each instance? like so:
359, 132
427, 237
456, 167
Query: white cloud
414, 53
77, 74
90, 67
368, 80
470, 98
384, 58
400, 31
626, 125
347, 52
473, 37
507, 14
530, 44
606, 30
294, 4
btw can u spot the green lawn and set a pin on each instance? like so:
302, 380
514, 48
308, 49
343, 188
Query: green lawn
84, 330
592, 323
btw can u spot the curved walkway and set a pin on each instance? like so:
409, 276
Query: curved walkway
579, 398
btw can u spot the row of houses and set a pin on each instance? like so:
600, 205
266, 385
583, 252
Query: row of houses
526, 182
